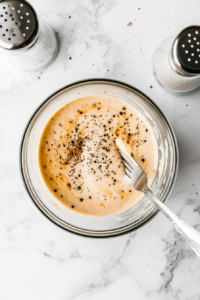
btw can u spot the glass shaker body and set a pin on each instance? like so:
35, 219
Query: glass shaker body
40, 55
167, 75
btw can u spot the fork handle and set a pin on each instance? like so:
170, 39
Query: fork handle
186, 230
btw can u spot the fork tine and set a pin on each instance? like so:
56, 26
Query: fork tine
129, 163
127, 178
127, 167
128, 173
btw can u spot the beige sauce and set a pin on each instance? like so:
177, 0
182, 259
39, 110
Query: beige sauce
79, 159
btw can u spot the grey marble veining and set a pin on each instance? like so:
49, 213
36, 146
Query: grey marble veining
37, 259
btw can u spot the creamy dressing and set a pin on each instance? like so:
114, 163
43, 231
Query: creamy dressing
79, 159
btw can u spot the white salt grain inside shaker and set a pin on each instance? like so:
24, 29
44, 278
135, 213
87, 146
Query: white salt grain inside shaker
176, 62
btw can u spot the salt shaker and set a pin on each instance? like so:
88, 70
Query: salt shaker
28, 43
176, 62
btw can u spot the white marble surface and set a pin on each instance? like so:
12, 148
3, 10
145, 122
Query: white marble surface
37, 259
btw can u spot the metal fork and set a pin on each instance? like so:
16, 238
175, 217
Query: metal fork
137, 178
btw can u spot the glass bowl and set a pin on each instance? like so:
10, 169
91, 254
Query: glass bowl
89, 226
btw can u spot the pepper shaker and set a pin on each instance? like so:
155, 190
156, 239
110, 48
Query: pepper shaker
28, 43
176, 62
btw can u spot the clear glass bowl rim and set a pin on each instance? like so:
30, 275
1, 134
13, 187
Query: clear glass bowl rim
83, 232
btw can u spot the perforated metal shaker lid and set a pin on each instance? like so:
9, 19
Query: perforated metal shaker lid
185, 51
19, 27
